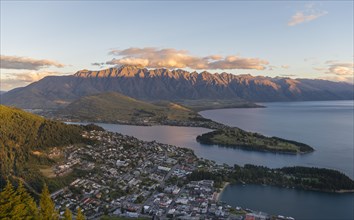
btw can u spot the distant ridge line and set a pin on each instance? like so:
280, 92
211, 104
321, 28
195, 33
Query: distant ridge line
164, 84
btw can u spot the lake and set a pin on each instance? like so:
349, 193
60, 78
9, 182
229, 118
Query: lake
327, 126
299, 204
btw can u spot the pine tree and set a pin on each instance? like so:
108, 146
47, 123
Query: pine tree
67, 214
47, 208
79, 215
26, 208
8, 200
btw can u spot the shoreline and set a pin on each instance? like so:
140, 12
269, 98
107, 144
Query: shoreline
218, 195
338, 192
343, 191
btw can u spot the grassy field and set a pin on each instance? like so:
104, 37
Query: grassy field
47, 171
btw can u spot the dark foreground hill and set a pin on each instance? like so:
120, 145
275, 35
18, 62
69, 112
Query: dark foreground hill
25, 140
164, 84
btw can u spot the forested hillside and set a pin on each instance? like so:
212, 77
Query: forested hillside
17, 203
22, 134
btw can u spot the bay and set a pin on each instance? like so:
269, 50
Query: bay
299, 204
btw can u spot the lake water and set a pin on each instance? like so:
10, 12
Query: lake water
326, 126
299, 204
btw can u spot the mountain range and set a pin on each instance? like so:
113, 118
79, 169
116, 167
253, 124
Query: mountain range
172, 85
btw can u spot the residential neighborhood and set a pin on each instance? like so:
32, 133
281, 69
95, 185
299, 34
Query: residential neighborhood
122, 176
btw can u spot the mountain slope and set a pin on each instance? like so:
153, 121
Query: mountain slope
163, 84
22, 134
115, 107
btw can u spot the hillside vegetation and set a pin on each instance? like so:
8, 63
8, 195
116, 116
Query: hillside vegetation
115, 107
17, 203
22, 134
308, 178
237, 138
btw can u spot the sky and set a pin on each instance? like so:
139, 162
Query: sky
296, 39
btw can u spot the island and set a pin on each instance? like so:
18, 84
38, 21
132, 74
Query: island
105, 173
238, 138
116, 108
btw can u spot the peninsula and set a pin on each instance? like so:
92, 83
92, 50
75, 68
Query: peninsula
120, 109
238, 138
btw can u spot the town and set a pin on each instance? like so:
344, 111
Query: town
126, 177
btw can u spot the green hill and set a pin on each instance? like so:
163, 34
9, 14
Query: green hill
237, 138
114, 107
24, 139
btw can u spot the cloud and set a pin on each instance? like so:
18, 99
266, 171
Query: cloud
97, 64
15, 62
13, 80
285, 66
347, 79
172, 58
135, 50
235, 62
338, 68
301, 17
341, 69
312, 60
271, 68
213, 57
320, 68
337, 71
288, 75
307, 15
331, 61
309, 5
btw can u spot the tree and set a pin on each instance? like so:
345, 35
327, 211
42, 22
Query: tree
47, 208
17, 204
8, 200
80, 215
26, 208
67, 214
139, 199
